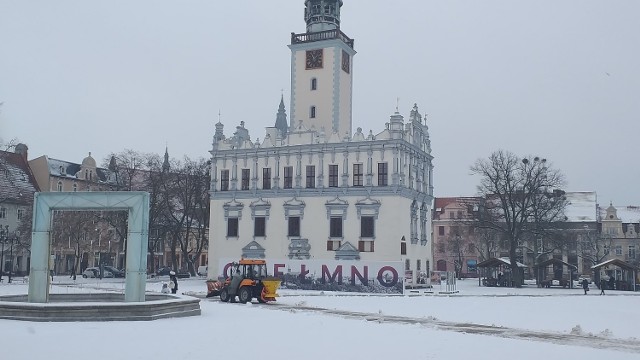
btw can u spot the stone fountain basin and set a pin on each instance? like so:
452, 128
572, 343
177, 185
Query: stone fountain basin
98, 307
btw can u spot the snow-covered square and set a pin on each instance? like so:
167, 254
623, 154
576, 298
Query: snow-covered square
476, 322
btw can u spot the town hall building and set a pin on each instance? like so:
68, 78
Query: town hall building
315, 197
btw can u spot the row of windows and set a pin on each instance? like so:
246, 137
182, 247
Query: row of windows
3, 213
75, 186
618, 251
310, 177
336, 227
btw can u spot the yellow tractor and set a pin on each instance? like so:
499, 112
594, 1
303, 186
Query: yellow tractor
249, 280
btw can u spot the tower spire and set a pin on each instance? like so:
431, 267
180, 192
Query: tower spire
165, 164
281, 118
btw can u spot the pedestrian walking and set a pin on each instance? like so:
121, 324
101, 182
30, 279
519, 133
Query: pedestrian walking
173, 282
585, 286
603, 283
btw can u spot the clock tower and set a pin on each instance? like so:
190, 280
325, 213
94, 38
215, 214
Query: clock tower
322, 70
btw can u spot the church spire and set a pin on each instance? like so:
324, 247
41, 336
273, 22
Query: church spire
281, 118
165, 164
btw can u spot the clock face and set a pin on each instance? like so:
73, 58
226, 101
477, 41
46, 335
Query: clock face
346, 62
314, 59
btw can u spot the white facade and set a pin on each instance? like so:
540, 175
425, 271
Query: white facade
315, 191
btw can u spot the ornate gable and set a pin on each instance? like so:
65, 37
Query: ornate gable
337, 207
347, 252
253, 250
233, 208
260, 207
368, 207
294, 207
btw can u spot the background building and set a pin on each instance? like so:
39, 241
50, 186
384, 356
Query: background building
17, 188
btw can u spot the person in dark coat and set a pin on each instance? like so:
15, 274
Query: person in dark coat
585, 286
173, 282
603, 284
236, 279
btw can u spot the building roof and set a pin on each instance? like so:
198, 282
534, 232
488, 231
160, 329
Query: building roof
616, 262
496, 262
68, 169
628, 214
442, 202
554, 261
582, 206
17, 183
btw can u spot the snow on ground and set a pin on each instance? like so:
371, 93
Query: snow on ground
290, 330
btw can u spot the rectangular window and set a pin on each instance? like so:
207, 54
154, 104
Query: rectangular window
311, 176
259, 227
3, 213
403, 248
365, 246
20, 214
224, 180
232, 227
357, 174
288, 177
441, 230
335, 227
333, 175
632, 251
383, 174
618, 250
418, 265
333, 245
246, 173
294, 226
366, 227
266, 178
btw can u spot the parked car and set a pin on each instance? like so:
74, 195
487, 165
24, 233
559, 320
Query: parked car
163, 271
116, 272
94, 272
180, 274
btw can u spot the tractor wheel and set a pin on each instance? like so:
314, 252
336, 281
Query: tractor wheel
245, 294
224, 295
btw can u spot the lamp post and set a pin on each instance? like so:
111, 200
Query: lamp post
4, 234
11, 261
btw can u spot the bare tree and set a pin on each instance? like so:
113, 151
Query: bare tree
186, 201
519, 199
594, 247
70, 229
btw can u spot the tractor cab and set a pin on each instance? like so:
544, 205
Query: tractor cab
248, 280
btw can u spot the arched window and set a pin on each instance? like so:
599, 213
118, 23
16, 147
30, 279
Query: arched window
314, 84
312, 112
59, 185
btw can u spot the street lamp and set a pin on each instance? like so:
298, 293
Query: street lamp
4, 234
11, 260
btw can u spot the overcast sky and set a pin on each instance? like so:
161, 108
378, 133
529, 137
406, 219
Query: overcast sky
558, 79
